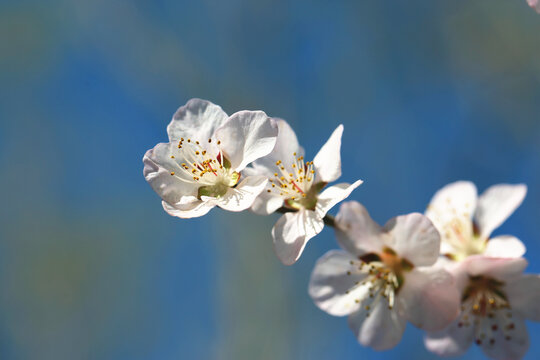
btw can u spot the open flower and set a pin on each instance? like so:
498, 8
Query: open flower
296, 185
200, 166
383, 279
466, 222
496, 299
535, 4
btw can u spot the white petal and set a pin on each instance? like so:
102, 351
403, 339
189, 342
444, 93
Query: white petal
286, 146
256, 170
504, 246
194, 209
291, 233
266, 203
429, 298
451, 341
242, 196
446, 247
496, 204
333, 195
414, 238
458, 270
198, 120
498, 268
524, 293
513, 349
381, 330
158, 167
247, 136
327, 162
535, 4
332, 284
356, 232
455, 201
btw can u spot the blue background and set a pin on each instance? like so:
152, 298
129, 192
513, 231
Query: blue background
91, 267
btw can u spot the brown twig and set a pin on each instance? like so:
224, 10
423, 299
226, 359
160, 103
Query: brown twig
328, 219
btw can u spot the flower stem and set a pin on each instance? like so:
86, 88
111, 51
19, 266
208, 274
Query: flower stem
328, 219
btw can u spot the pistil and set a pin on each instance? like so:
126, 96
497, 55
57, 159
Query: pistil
206, 166
294, 183
383, 278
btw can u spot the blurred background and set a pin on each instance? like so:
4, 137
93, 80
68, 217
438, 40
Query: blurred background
91, 267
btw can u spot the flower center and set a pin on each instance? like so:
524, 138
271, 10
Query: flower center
384, 276
485, 306
295, 184
206, 166
460, 234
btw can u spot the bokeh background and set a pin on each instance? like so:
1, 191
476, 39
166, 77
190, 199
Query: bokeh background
91, 267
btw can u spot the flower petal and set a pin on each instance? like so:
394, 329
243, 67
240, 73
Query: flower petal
535, 4
502, 349
504, 246
356, 232
327, 162
191, 210
458, 270
414, 238
496, 204
498, 268
158, 167
454, 201
291, 233
381, 330
266, 203
198, 119
429, 298
333, 195
247, 136
454, 340
523, 293
242, 196
286, 148
447, 248
332, 284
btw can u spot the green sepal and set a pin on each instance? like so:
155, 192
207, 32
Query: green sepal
235, 177
215, 191
317, 188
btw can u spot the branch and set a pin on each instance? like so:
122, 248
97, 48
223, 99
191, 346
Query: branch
328, 219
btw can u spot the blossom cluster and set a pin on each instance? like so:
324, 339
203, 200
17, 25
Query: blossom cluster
442, 271
246, 160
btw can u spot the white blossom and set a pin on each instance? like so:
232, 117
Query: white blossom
496, 299
383, 278
466, 221
200, 167
297, 185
